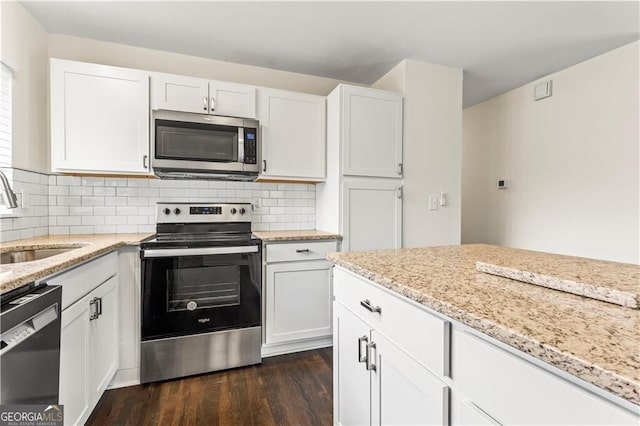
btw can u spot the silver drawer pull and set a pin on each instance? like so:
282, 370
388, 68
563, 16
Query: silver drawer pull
95, 313
361, 340
366, 303
303, 251
371, 366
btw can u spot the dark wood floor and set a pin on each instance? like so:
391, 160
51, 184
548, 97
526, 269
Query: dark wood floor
293, 389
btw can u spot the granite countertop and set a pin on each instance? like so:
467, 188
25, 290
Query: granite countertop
84, 247
309, 234
591, 339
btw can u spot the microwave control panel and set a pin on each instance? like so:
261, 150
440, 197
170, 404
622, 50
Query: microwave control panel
250, 146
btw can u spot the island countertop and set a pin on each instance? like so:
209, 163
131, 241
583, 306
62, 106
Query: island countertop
82, 248
596, 341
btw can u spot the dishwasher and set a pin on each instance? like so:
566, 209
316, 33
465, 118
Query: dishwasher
30, 344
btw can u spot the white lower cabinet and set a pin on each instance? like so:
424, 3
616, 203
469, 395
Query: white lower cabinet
89, 341
510, 390
446, 373
389, 358
378, 383
297, 296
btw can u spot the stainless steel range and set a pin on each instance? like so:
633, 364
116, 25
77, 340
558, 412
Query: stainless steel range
201, 291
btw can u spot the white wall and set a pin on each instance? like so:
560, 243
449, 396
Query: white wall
100, 52
24, 48
572, 160
432, 149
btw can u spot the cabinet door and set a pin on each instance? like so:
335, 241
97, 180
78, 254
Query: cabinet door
99, 119
403, 392
180, 93
74, 363
104, 338
372, 132
293, 135
298, 301
372, 214
466, 413
231, 99
351, 379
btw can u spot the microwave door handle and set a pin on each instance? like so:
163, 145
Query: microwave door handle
241, 145
203, 251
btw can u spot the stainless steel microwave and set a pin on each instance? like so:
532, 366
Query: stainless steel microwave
187, 145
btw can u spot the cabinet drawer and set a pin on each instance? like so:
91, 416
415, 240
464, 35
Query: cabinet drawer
414, 330
81, 280
291, 252
521, 392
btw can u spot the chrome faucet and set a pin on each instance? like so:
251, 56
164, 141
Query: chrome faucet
10, 198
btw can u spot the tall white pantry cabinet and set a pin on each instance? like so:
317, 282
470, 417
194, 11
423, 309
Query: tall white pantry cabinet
362, 196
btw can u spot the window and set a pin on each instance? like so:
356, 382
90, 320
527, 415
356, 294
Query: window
6, 83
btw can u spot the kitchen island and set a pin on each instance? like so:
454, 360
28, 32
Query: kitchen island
590, 344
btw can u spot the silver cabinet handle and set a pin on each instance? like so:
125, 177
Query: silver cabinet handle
264, 165
205, 103
362, 340
144, 162
399, 169
371, 366
99, 305
94, 312
213, 104
303, 251
399, 192
366, 303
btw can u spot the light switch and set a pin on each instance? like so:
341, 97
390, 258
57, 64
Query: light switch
433, 202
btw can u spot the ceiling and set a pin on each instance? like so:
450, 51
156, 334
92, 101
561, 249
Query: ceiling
500, 45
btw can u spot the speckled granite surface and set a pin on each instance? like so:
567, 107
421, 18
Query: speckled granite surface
594, 340
13, 275
560, 273
271, 236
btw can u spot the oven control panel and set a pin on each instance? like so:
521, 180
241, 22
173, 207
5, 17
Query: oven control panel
203, 213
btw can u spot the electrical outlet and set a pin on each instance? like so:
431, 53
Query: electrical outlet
257, 204
433, 202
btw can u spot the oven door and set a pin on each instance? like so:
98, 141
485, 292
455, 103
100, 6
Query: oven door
199, 290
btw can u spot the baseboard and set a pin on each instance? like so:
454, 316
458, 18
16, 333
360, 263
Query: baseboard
124, 378
291, 347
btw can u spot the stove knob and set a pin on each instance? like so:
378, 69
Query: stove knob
233, 210
242, 210
166, 211
176, 210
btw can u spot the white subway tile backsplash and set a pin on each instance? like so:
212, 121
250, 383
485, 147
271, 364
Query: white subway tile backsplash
92, 181
72, 204
69, 220
69, 180
80, 190
115, 220
69, 201
104, 191
80, 210
59, 190
127, 192
93, 201
115, 182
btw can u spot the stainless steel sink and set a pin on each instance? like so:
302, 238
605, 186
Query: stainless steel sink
27, 255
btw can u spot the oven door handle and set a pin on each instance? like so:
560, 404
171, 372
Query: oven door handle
201, 251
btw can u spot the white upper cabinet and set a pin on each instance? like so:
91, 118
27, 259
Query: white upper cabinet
191, 94
99, 119
231, 99
372, 132
293, 135
178, 93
